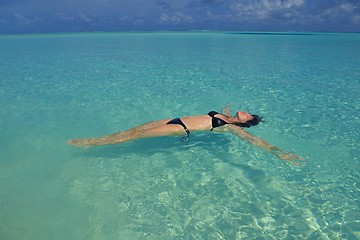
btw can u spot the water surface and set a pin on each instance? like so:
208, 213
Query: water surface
62, 86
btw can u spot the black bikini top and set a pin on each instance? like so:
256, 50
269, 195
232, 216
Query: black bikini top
216, 122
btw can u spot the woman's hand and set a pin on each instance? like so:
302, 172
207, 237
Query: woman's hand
227, 110
289, 157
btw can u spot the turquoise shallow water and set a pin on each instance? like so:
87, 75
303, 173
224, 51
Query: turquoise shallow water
62, 86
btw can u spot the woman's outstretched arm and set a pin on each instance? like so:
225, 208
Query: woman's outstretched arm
291, 158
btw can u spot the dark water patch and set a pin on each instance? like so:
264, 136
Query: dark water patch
274, 33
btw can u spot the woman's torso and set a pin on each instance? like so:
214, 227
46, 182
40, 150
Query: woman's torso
198, 123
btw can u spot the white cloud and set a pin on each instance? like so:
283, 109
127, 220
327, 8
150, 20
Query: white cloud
262, 9
356, 19
86, 18
79, 17
164, 18
20, 18
176, 18
347, 7
131, 20
338, 11
62, 16
25, 20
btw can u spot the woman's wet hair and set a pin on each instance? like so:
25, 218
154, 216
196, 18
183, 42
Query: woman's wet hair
253, 122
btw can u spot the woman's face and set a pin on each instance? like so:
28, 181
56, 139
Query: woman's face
243, 117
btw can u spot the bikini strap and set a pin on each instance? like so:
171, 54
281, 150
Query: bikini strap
212, 113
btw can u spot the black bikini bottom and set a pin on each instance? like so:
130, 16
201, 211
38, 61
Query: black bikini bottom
179, 122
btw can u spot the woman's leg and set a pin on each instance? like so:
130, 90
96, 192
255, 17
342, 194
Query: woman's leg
164, 130
120, 137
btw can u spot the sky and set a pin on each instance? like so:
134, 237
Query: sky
38, 16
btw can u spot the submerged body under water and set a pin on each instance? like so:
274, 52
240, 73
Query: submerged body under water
63, 86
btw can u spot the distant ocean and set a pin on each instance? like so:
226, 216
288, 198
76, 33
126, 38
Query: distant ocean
55, 87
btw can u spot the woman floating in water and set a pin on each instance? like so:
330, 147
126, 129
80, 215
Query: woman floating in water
213, 121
